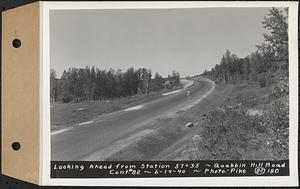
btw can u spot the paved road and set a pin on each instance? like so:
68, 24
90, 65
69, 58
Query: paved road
82, 140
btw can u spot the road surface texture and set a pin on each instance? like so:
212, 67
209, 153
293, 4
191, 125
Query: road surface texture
99, 138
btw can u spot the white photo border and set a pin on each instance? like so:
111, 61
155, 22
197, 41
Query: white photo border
45, 156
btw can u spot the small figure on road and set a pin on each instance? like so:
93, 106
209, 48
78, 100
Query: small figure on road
188, 93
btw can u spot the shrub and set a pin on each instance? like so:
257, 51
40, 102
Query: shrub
248, 99
67, 99
262, 81
277, 122
226, 135
278, 91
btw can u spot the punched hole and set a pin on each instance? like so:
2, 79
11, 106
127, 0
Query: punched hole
16, 43
16, 146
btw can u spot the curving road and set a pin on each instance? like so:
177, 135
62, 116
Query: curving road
80, 141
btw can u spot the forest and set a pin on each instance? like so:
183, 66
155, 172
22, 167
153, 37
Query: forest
91, 83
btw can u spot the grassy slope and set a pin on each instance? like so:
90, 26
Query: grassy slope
230, 132
245, 97
67, 114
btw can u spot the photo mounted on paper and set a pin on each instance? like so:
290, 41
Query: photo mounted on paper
147, 90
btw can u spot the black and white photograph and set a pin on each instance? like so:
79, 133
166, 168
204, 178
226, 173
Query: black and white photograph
172, 84
175, 84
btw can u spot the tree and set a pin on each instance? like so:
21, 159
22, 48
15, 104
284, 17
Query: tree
94, 84
119, 83
53, 86
175, 78
82, 78
101, 83
129, 82
65, 86
145, 78
111, 84
246, 66
228, 66
158, 82
276, 40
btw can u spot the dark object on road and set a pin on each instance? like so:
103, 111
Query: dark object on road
190, 124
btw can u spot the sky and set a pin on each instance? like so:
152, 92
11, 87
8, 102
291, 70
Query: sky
185, 40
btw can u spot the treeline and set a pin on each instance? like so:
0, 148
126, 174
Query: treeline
271, 56
80, 84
